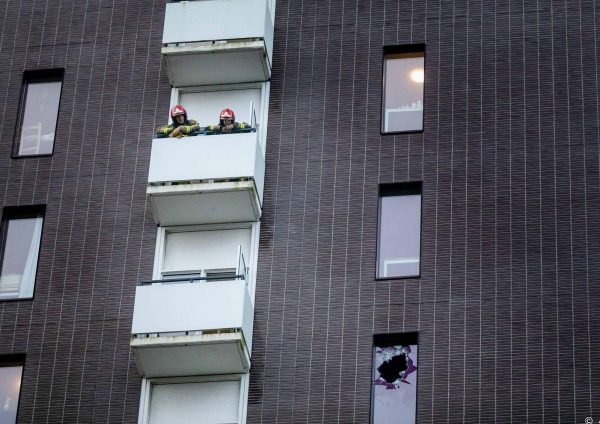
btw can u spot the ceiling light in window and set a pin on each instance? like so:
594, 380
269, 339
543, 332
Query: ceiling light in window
417, 75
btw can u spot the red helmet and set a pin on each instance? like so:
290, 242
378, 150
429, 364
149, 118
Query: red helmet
178, 110
227, 114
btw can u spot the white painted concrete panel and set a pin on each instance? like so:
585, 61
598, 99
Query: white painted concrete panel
191, 204
224, 156
171, 356
248, 320
204, 306
216, 20
217, 64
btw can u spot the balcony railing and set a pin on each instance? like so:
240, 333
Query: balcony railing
218, 42
241, 273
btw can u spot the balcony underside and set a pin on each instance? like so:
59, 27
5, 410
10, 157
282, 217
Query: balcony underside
172, 356
205, 63
204, 203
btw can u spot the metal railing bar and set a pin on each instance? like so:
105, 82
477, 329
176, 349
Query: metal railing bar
192, 280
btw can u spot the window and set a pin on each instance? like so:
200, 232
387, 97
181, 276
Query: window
399, 238
205, 106
403, 78
38, 113
209, 399
21, 233
214, 254
11, 370
394, 385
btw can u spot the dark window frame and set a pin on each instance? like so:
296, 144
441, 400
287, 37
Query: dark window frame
393, 339
36, 76
399, 189
21, 212
400, 49
15, 360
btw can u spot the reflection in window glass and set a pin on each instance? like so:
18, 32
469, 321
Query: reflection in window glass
394, 390
22, 235
10, 387
39, 114
399, 242
404, 75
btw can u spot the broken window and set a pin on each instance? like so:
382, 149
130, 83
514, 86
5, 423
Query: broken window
394, 387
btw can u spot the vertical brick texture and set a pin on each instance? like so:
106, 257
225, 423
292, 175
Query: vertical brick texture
509, 159
98, 237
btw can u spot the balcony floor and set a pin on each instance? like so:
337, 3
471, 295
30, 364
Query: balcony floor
205, 203
221, 63
173, 356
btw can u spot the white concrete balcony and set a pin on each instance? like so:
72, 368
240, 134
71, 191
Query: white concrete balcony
206, 179
218, 42
192, 328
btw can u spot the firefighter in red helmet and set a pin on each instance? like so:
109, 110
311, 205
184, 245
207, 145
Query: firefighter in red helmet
181, 126
227, 123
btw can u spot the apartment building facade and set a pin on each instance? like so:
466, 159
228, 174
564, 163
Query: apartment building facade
405, 230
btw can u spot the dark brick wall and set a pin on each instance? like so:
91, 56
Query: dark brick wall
506, 305
98, 237
509, 162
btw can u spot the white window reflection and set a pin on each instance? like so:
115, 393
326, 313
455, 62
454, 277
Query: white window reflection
404, 76
10, 387
22, 238
39, 115
399, 242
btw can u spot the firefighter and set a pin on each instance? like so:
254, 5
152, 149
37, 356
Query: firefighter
181, 125
227, 123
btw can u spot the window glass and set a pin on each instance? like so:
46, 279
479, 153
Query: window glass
205, 106
394, 390
202, 402
22, 235
39, 113
404, 75
10, 387
198, 251
399, 243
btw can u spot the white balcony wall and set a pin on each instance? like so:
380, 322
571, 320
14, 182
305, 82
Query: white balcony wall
205, 106
200, 306
213, 20
218, 42
217, 157
206, 179
201, 250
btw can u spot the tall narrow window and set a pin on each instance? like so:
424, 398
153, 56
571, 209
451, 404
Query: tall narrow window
38, 113
399, 238
21, 234
403, 78
394, 390
11, 371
